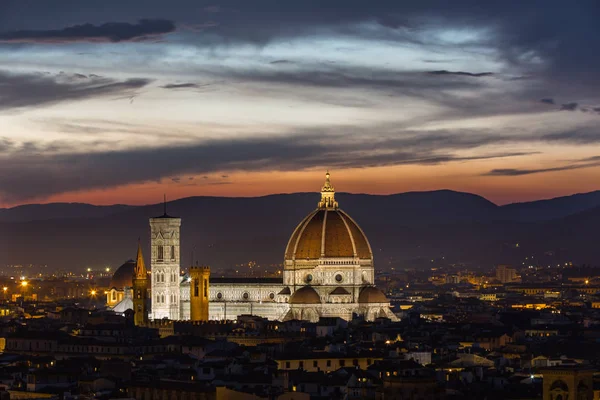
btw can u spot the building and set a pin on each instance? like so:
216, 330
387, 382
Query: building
140, 290
565, 383
505, 274
165, 266
328, 272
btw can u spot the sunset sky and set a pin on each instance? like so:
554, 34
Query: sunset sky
121, 101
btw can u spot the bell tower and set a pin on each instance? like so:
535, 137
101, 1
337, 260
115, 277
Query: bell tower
165, 264
199, 293
140, 290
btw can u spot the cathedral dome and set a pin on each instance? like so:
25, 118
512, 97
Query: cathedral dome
123, 276
305, 295
371, 294
327, 232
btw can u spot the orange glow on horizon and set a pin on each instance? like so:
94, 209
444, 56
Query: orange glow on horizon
464, 177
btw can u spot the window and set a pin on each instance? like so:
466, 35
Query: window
162, 298
287, 364
329, 363
246, 296
315, 364
158, 298
196, 288
342, 363
219, 295
301, 364
172, 252
355, 362
139, 294
160, 254
206, 288
339, 278
114, 295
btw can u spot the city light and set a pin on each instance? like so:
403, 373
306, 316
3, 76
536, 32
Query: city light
24, 283
93, 292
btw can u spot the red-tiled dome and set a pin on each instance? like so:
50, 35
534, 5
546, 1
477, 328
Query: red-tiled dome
327, 233
305, 295
371, 294
123, 276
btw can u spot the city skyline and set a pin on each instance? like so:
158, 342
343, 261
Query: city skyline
121, 103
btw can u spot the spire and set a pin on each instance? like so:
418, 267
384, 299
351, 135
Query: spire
140, 266
328, 194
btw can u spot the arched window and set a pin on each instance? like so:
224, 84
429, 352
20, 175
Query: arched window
160, 254
172, 252
162, 298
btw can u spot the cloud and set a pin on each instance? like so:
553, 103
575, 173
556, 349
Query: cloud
34, 172
547, 101
181, 86
108, 32
583, 163
28, 90
461, 73
569, 107
579, 137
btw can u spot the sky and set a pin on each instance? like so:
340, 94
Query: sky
122, 101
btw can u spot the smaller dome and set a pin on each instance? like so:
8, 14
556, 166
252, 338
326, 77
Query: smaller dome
305, 295
371, 294
123, 276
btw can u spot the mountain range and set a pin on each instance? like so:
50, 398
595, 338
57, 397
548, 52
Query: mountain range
404, 229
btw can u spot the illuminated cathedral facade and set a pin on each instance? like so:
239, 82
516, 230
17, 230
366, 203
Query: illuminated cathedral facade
328, 271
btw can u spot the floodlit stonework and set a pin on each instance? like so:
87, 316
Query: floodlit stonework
165, 265
328, 272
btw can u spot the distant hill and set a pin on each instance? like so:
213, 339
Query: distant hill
37, 212
551, 209
224, 231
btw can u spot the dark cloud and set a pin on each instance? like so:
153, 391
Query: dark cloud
569, 107
519, 172
461, 73
35, 172
108, 32
181, 86
281, 62
583, 163
27, 90
547, 101
580, 137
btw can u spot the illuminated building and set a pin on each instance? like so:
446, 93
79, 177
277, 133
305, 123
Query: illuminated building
140, 290
328, 272
165, 266
506, 274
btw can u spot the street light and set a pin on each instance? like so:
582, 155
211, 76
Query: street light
24, 284
93, 292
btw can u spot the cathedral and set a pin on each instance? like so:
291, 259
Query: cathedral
327, 272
